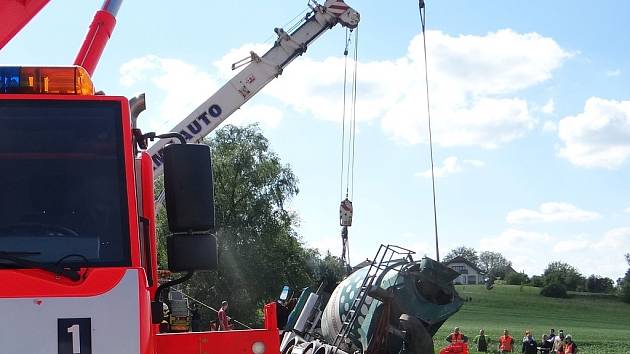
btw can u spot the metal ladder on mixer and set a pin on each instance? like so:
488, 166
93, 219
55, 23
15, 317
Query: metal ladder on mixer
384, 256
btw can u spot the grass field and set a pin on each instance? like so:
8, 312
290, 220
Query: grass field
598, 324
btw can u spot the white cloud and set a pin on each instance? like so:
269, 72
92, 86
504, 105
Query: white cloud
474, 81
184, 87
599, 136
618, 238
571, 245
519, 247
412, 241
475, 163
627, 210
548, 107
533, 251
514, 238
603, 255
512, 243
550, 212
613, 73
451, 165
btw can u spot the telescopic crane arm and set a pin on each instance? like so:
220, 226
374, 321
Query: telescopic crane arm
260, 71
15, 14
96, 39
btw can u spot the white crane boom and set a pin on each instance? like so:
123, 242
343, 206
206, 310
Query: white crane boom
260, 71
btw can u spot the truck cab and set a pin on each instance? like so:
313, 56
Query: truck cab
77, 222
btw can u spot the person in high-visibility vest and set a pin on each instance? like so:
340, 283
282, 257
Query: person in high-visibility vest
506, 342
456, 337
570, 347
458, 343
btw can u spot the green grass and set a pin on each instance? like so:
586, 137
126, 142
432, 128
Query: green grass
598, 324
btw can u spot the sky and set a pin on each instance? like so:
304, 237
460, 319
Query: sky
530, 111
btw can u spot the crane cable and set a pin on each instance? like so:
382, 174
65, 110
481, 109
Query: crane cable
348, 151
423, 15
347, 169
354, 110
343, 116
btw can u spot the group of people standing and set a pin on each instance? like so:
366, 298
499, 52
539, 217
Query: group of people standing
549, 343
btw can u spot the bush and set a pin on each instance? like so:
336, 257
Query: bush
537, 281
514, 278
556, 290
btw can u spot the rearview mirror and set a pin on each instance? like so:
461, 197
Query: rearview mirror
188, 188
191, 252
189, 207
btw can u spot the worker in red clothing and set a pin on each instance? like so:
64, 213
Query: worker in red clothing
458, 343
570, 347
506, 342
223, 318
456, 337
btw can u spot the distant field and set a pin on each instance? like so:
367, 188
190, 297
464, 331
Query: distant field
598, 324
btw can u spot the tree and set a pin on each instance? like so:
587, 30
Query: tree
625, 292
563, 273
328, 269
597, 284
625, 283
259, 250
493, 263
468, 253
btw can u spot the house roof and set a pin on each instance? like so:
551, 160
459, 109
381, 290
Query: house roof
460, 259
509, 269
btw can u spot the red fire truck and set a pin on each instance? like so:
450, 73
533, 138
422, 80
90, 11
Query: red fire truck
77, 218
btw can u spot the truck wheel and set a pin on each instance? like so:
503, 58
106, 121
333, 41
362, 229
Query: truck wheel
289, 346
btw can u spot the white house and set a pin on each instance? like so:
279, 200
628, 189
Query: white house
470, 274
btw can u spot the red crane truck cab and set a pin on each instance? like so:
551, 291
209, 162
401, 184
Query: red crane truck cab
78, 254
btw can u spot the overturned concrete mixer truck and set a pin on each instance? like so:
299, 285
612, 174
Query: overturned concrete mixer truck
393, 305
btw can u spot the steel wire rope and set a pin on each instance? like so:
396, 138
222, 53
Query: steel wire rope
290, 22
348, 251
423, 14
354, 108
343, 115
345, 249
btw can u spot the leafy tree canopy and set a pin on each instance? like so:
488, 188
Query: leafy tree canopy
493, 263
598, 284
259, 249
565, 274
467, 252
